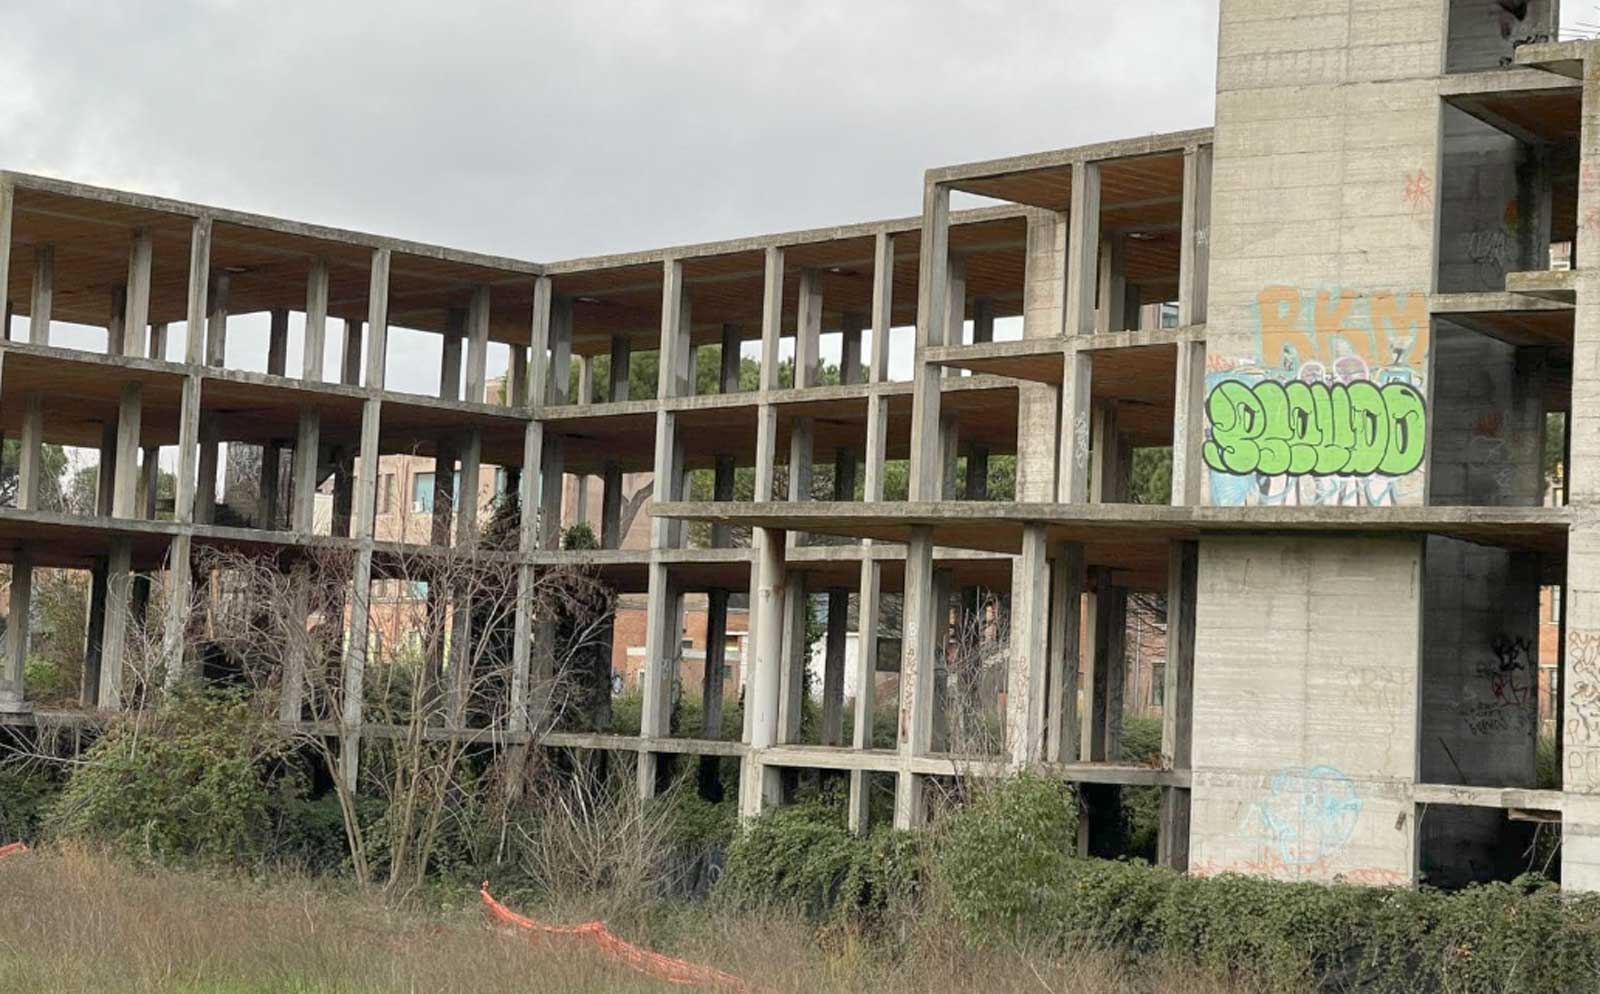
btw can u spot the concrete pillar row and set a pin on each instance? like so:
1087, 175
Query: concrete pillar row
366, 497
529, 489
921, 649
868, 599
933, 304
179, 582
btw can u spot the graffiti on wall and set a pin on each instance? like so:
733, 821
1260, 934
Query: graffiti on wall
1509, 683
1303, 823
1582, 732
1332, 407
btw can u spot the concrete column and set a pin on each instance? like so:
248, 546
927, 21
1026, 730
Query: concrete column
808, 330
1188, 426
867, 603
44, 284
621, 357
833, 667
350, 360
1112, 313
179, 589
267, 487
1102, 726
949, 453
1177, 701
1038, 404
532, 480
471, 455
796, 656
149, 477
927, 469
125, 481
611, 507
13, 689
291, 693
1083, 248
307, 459
553, 471
217, 320
1067, 576
760, 786
1194, 253
455, 330
802, 455
106, 474
116, 337
517, 377
982, 320
978, 472
158, 341
663, 656
730, 358
119, 583
478, 346
955, 304
712, 689
136, 316
94, 634
316, 334
557, 381
30, 453
1111, 457
722, 490
850, 327
1029, 650
585, 380
920, 657
205, 496
8, 197
356, 640
278, 341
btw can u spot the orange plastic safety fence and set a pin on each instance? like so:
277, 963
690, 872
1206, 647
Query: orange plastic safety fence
673, 971
14, 849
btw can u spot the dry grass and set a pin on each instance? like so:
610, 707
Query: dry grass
79, 923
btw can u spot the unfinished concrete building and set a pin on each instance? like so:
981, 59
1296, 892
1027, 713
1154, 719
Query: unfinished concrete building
1370, 337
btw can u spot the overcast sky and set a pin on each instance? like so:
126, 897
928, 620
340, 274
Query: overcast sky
547, 131
551, 130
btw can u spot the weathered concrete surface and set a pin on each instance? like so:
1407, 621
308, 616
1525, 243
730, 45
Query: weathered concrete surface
1305, 708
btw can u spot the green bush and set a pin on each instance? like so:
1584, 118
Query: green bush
27, 790
998, 857
204, 778
804, 857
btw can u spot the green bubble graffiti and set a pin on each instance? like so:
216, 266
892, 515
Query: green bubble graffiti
1296, 428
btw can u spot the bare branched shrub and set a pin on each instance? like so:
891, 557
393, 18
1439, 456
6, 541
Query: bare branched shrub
976, 659
593, 837
438, 692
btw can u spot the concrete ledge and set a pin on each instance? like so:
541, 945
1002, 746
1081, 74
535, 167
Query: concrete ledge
1559, 285
1564, 58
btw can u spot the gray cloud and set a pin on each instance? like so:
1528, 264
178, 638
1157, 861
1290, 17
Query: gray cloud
552, 130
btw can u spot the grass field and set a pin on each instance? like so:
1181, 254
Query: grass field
75, 922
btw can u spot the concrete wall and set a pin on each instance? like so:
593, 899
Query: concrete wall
1305, 707
1322, 245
